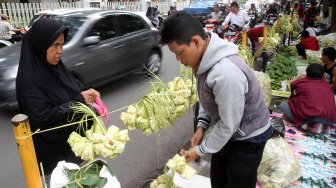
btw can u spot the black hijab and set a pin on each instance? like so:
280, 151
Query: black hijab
45, 92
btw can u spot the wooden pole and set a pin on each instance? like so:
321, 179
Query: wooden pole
265, 36
244, 38
26, 149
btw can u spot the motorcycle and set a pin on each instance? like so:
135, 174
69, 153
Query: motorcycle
271, 18
233, 33
16, 36
253, 19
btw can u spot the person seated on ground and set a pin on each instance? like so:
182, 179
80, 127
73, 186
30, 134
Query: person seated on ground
254, 34
328, 59
6, 28
216, 14
321, 28
307, 43
311, 101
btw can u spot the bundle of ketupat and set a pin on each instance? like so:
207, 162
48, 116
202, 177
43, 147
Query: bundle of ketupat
273, 39
165, 180
246, 54
98, 141
265, 86
297, 28
314, 56
162, 106
283, 24
179, 165
280, 69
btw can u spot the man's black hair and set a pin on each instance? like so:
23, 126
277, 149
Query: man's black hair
234, 4
330, 52
315, 70
181, 27
304, 34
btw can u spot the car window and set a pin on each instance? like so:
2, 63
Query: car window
72, 23
104, 28
36, 17
129, 24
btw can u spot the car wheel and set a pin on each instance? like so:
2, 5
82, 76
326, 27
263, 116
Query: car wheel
154, 62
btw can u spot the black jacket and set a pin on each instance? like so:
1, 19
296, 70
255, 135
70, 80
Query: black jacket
45, 92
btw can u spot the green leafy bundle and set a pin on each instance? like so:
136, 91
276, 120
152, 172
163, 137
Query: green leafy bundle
280, 69
88, 176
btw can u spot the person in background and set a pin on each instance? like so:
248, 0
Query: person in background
153, 16
45, 89
328, 59
6, 28
237, 17
216, 14
253, 9
301, 10
231, 103
172, 10
288, 8
295, 8
311, 104
253, 34
310, 14
307, 43
272, 10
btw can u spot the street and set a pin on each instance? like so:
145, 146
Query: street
139, 162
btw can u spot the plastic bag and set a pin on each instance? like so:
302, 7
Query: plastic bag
279, 167
59, 177
327, 40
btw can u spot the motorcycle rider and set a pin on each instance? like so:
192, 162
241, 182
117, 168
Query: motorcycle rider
237, 17
253, 11
216, 14
152, 15
6, 28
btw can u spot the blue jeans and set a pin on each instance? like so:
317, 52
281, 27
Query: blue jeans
286, 110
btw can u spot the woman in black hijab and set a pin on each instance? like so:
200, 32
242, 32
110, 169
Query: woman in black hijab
45, 89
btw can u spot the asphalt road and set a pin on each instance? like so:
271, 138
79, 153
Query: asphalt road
141, 158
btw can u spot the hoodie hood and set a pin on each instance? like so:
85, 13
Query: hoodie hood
215, 52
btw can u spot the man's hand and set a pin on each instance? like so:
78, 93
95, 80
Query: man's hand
190, 155
90, 95
198, 136
224, 27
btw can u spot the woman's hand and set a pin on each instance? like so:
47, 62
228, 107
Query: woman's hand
90, 95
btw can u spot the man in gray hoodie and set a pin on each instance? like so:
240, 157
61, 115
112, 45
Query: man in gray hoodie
231, 103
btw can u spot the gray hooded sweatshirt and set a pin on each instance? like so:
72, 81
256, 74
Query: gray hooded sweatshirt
231, 101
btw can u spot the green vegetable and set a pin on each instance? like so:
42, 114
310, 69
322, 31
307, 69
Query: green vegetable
280, 69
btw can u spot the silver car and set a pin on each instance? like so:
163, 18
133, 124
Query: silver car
101, 46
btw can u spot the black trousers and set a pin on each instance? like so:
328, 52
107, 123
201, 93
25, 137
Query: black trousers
236, 165
301, 51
